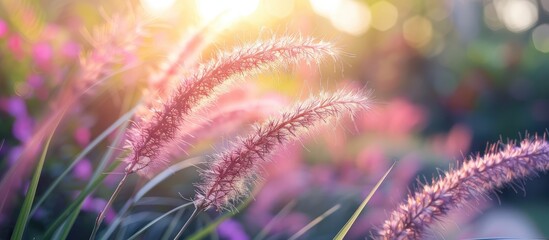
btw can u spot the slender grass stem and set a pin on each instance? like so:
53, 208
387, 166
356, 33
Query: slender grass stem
101, 215
186, 225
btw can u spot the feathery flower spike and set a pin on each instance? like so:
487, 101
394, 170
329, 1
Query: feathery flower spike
474, 178
112, 43
229, 176
152, 132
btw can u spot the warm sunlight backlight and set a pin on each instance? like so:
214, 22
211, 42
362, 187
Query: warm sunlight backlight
280, 8
228, 11
384, 15
157, 6
325, 7
352, 17
517, 15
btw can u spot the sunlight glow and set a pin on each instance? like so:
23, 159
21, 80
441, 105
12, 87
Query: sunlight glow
228, 11
280, 8
517, 15
325, 8
352, 17
157, 6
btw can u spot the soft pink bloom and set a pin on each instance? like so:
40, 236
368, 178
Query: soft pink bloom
82, 135
42, 54
70, 50
454, 143
397, 118
15, 45
3, 28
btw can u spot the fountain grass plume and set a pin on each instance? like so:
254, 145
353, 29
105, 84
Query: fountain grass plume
228, 178
152, 131
475, 178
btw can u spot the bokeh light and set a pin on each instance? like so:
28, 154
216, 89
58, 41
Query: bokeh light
540, 37
517, 15
157, 6
325, 7
351, 17
417, 31
227, 11
384, 15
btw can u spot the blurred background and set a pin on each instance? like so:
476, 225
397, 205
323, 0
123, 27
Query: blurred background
447, 78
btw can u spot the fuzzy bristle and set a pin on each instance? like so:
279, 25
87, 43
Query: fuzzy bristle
476, 177
228, 178
111, 44
154, 130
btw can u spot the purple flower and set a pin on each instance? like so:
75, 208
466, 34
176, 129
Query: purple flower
22, 128
231, 230
16, 107
83, 170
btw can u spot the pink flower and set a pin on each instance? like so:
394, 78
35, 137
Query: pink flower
42, 54
3, 28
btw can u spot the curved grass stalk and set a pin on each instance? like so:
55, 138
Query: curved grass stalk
102, 165
29, 198
212, 226
81, 155
315, 222
79, 199
158, 219
146, 188
343, 231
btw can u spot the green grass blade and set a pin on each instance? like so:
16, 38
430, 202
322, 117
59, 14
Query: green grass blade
315, 222
124, 118
31, 192
146, 188
68, 224
98, 172
283, 212
158, 219
169, 230
343, 231
212, 226
76, 202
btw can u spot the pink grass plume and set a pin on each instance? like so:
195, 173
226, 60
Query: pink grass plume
228, 178
156, 128
473, 179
